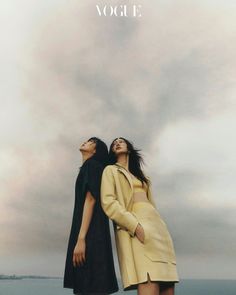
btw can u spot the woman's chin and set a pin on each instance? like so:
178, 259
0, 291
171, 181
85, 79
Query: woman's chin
119, 152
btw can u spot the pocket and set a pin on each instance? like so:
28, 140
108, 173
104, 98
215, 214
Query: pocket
157, 250
155, 257
158, 242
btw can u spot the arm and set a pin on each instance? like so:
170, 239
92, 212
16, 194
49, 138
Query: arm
87, 215
80, 247
111, 206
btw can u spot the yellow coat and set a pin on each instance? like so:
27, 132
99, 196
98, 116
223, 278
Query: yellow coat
116, 201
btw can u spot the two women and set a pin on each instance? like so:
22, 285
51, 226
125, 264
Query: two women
89, 267
144, 246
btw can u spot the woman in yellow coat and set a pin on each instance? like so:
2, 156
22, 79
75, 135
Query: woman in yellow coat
144, 246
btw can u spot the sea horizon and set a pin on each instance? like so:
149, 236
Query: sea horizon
34, 276
54, 286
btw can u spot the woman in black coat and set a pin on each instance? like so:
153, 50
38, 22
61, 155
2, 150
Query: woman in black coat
89, 267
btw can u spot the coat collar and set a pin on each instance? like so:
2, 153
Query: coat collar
126, 173
123, 170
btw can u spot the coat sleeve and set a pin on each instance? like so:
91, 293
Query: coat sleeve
93, 178
150, 195
112, 207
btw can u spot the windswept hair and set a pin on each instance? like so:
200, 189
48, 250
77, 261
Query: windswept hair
135, 160
101, 154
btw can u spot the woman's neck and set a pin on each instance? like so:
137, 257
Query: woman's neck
123, 160
86, 156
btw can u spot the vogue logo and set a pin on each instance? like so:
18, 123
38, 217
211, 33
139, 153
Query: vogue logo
119, 10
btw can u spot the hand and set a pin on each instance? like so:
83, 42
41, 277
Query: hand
139, 232
79, 252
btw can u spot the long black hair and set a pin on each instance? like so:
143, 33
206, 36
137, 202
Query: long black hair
101, 154
135, 160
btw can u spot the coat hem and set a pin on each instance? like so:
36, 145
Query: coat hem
134, 286
107, 291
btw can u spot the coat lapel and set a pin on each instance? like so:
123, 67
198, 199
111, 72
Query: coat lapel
127, 175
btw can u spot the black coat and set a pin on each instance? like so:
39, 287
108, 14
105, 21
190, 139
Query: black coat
98, 272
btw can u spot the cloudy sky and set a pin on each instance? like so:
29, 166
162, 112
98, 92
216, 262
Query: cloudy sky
166, 81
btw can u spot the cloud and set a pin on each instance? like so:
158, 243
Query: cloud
204, 148
164, 81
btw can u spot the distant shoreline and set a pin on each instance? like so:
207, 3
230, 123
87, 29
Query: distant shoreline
20, 277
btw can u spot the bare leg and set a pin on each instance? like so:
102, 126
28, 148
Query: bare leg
167, 289
148, 288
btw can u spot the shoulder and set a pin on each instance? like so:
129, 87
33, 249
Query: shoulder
92, 163
110, 168
148, 178
146, 175
91, 166
110, 171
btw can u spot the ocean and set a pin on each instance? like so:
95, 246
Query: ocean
54, 287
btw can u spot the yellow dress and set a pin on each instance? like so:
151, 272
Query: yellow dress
156, 254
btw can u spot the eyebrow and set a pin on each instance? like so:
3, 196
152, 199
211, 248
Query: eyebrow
118, 140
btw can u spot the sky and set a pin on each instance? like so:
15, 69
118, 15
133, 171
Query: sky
165, 81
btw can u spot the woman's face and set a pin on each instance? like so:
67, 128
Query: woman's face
119, 146
88, 146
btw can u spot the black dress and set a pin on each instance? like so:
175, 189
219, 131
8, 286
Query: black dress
97, 274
